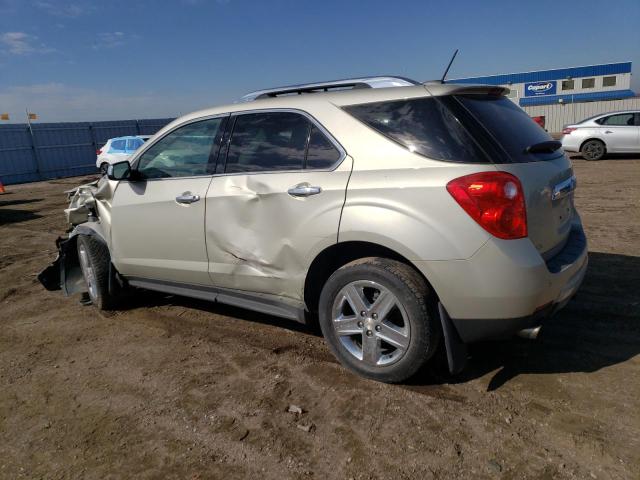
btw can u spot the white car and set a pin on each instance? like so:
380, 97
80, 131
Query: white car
613, 132
118, 149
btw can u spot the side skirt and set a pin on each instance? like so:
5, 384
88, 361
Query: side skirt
259, 302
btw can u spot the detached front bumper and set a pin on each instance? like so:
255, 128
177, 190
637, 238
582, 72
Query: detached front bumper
507, 286
64, 273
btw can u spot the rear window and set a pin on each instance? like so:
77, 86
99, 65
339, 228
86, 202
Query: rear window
461, 128
508, 125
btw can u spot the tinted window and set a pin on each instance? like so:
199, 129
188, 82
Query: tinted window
321, 152
268, 141
133, 144
508, 125
608, 81
184, 152
567, 85
118, 145
621, 119
422, 125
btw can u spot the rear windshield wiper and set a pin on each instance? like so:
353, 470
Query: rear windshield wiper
549, 146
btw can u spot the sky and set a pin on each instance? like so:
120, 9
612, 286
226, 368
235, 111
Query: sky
81, 60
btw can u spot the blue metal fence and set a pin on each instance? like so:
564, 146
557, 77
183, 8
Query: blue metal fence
55, 150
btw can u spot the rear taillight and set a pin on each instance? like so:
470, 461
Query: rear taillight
493, 199
568, 130
98, 152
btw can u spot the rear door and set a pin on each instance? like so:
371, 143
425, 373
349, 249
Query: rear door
275, 203
620, 132
157, 227
546, 175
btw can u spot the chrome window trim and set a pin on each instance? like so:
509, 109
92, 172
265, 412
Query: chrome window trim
314, 121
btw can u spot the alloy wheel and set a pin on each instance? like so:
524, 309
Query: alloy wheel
371, 323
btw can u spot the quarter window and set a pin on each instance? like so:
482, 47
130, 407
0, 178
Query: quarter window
425, 126
185, 152
588, 82
609, 81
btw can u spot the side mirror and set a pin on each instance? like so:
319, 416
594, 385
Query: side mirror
119, 171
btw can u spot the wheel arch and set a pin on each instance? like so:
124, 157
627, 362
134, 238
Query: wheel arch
593, 138
339, 254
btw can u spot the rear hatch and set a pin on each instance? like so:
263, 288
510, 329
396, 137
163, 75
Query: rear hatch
516, 144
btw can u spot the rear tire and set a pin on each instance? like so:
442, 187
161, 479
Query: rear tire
593, 150
94, 259
104, 166
378, 317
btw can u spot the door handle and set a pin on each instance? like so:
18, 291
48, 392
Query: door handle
304, 190
187, 198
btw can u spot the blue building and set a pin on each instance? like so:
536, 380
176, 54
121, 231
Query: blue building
609, 81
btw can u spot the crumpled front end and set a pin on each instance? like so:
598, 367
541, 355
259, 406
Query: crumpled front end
89, 206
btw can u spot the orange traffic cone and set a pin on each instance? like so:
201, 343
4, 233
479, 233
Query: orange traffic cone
2, 190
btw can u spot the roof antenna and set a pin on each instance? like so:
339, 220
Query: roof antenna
449, 66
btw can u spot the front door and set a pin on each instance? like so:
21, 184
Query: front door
157, 228
621, 132
275, 204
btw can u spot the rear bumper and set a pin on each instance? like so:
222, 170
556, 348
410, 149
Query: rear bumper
571, 143
507, 286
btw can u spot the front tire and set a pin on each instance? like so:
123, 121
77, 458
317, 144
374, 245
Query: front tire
94, 259
593, 150
378, 317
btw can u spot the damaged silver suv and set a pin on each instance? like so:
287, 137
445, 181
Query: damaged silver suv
407, 217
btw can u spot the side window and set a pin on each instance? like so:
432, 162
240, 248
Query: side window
117, 146
185, 152
624, 119
321, 152
133, 144
268, 141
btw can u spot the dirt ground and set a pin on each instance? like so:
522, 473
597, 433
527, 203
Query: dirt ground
176, 388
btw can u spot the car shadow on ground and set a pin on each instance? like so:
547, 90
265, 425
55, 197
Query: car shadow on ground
599, 328
11, 215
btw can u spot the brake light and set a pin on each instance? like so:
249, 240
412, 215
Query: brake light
568, 130
495, 200
99, 151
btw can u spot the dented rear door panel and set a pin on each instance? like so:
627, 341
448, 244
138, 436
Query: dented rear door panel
260, 238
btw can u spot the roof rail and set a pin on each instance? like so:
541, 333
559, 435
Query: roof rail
345, 84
